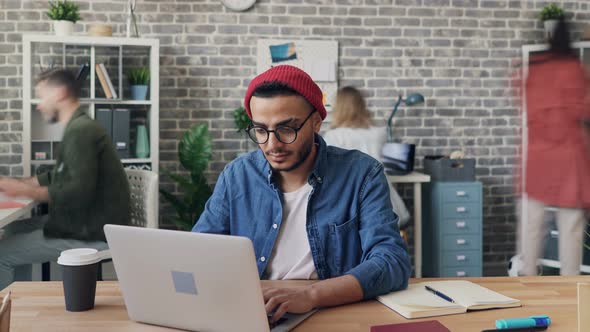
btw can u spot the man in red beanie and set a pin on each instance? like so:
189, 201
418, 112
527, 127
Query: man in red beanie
312, 211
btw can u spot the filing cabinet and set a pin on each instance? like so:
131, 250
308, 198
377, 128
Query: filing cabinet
452, 229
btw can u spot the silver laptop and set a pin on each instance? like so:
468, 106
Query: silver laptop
191, 281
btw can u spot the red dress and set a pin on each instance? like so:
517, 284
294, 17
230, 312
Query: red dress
558, 160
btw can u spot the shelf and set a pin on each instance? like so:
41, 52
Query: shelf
39, 136
136, 161
91, 41
106, 101
42, 162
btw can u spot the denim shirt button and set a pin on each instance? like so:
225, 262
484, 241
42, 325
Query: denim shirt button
262, 259
275, 226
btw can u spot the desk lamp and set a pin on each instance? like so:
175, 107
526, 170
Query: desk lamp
411, 100
398, 158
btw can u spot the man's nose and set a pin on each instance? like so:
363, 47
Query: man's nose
273, 140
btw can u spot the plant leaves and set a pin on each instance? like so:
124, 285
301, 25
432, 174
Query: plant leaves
139, 76
194, 150
184, 181
177, 204
194, 153
64, 10
241, 119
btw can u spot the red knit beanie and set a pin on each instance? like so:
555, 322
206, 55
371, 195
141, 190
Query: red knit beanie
292, 77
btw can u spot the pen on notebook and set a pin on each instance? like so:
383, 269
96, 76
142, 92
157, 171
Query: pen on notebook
439, 294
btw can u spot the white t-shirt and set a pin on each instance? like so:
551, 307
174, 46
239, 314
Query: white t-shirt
368, 140
291, 258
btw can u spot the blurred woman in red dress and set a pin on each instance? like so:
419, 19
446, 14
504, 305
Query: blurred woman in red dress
557, 171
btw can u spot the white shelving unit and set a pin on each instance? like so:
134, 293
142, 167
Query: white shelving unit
37, 131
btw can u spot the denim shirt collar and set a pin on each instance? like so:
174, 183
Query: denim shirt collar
319, 167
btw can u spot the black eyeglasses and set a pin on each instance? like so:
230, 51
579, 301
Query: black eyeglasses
284, 134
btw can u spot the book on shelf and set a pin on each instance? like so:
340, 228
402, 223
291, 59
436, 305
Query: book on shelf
108, 79
83, 72
103, 82
438, 298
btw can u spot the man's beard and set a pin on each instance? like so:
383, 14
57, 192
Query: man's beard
303, 154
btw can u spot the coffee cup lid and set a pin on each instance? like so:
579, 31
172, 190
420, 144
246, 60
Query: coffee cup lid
78, 257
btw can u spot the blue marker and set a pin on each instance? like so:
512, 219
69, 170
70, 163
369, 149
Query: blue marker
533, 321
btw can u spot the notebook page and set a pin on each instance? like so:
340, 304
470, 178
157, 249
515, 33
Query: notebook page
416, 302
471, 295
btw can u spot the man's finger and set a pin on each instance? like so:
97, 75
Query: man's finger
268, 293
281, 310
272, 304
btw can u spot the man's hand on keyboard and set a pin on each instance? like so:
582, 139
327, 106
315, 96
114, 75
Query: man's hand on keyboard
293, 299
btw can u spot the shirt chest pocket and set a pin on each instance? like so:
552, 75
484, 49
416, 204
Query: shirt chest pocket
345, 244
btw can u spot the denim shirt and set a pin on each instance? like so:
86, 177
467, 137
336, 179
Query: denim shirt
351, 226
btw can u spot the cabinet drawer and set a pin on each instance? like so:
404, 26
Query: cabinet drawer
461, 226
461, 193
461, 258
461, 272
461, 210
461, 242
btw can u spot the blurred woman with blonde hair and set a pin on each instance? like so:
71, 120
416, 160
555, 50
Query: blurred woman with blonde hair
353, 129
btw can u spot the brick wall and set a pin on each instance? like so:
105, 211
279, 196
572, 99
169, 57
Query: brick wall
455, 52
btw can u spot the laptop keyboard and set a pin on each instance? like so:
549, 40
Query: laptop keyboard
272, 325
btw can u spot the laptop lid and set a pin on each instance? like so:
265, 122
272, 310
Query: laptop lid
186, 280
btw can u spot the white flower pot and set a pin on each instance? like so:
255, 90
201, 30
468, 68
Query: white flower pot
63, 28
550, 26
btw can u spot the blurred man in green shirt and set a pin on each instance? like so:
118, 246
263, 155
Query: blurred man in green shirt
86, 189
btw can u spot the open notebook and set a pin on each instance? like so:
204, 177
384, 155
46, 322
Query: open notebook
417, 301
9, 203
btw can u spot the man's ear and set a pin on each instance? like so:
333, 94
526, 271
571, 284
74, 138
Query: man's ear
61, 93
317, 121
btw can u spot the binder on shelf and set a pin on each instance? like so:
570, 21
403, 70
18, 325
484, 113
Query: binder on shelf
83, 72
104, 116
108, 79
121, 123
103, 82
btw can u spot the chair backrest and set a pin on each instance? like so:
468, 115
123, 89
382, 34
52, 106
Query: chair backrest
144, 197
5, 305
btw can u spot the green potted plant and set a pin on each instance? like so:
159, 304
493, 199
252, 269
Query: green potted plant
194, 154
64, 14
242, 121
550, 15
139, 79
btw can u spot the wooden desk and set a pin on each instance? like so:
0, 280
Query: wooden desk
417, 179
9, 215
40, 307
